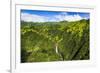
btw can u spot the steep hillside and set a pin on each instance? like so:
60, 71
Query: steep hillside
54, 41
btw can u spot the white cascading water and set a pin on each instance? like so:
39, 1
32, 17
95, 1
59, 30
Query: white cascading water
56, 49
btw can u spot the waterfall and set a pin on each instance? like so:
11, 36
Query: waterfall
56, 49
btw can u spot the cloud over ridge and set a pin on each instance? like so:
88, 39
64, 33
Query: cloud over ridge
53, 18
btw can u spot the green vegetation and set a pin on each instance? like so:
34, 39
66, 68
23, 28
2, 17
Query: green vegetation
54, 41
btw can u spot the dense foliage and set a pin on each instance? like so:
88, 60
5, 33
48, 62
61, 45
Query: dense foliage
54, 41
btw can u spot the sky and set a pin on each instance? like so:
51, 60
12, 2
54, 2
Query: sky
52, 16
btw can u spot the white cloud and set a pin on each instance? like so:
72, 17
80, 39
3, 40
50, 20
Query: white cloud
73, 17
60, 17
32, 17
67, 17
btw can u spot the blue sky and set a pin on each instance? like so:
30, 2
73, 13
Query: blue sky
52, 16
